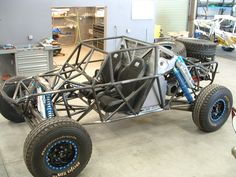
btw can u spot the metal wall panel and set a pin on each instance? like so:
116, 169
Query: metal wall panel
172, 15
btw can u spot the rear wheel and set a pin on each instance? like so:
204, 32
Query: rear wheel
57, 147
212, 108
7, 109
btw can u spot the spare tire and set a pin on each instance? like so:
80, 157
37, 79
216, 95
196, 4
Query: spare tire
177, 47
199, 48
228, 49
204, 37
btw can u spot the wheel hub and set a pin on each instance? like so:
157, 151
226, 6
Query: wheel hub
61, 155
218, 109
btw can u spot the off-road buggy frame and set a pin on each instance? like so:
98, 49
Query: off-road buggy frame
136, 78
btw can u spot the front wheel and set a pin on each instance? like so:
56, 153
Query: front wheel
212, 108
57, 147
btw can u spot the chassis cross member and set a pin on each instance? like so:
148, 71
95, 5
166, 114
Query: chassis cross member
134, 79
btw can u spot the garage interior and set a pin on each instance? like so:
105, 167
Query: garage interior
161, 144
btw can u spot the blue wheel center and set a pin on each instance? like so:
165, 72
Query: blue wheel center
61, 155
218, 109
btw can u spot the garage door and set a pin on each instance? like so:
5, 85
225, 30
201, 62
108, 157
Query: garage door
172, 15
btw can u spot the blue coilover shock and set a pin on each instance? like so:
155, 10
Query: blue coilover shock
183, 69
49, 106
183, 85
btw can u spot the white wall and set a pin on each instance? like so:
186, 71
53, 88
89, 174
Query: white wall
18, 19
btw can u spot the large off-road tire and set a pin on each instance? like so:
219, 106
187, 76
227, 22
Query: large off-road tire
8, 110
212, 108
228, 49
199, 48
177, 47
204, 37
57, 147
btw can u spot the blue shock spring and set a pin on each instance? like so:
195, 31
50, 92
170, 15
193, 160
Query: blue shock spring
49, 106
183, 85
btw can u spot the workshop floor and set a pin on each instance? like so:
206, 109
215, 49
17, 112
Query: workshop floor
165, 144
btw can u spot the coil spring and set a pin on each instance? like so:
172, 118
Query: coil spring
49, 106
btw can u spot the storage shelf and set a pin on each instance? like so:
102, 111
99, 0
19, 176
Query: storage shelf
66, 35
98, 32
69, 16
211, 7
63, 27
212, 3
82, 19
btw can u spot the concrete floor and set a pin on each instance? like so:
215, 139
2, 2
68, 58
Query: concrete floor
165, 144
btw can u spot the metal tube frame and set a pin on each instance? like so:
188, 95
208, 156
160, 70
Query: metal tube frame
64, 88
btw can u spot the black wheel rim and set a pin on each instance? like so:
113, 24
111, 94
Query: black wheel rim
218, 110
61, 155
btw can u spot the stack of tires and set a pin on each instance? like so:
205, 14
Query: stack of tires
201, 49
177, 47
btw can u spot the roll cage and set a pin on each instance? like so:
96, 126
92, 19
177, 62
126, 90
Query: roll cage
65, 84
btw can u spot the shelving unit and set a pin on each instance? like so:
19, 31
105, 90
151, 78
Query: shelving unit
64, 20
98, 27
207, 9
74, 24
64, 16
98, 32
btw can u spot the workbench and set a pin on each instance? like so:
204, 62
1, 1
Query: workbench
26, 61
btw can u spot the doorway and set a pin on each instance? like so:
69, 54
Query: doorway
70, 25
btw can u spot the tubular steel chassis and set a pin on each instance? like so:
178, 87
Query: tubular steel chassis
64, 88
